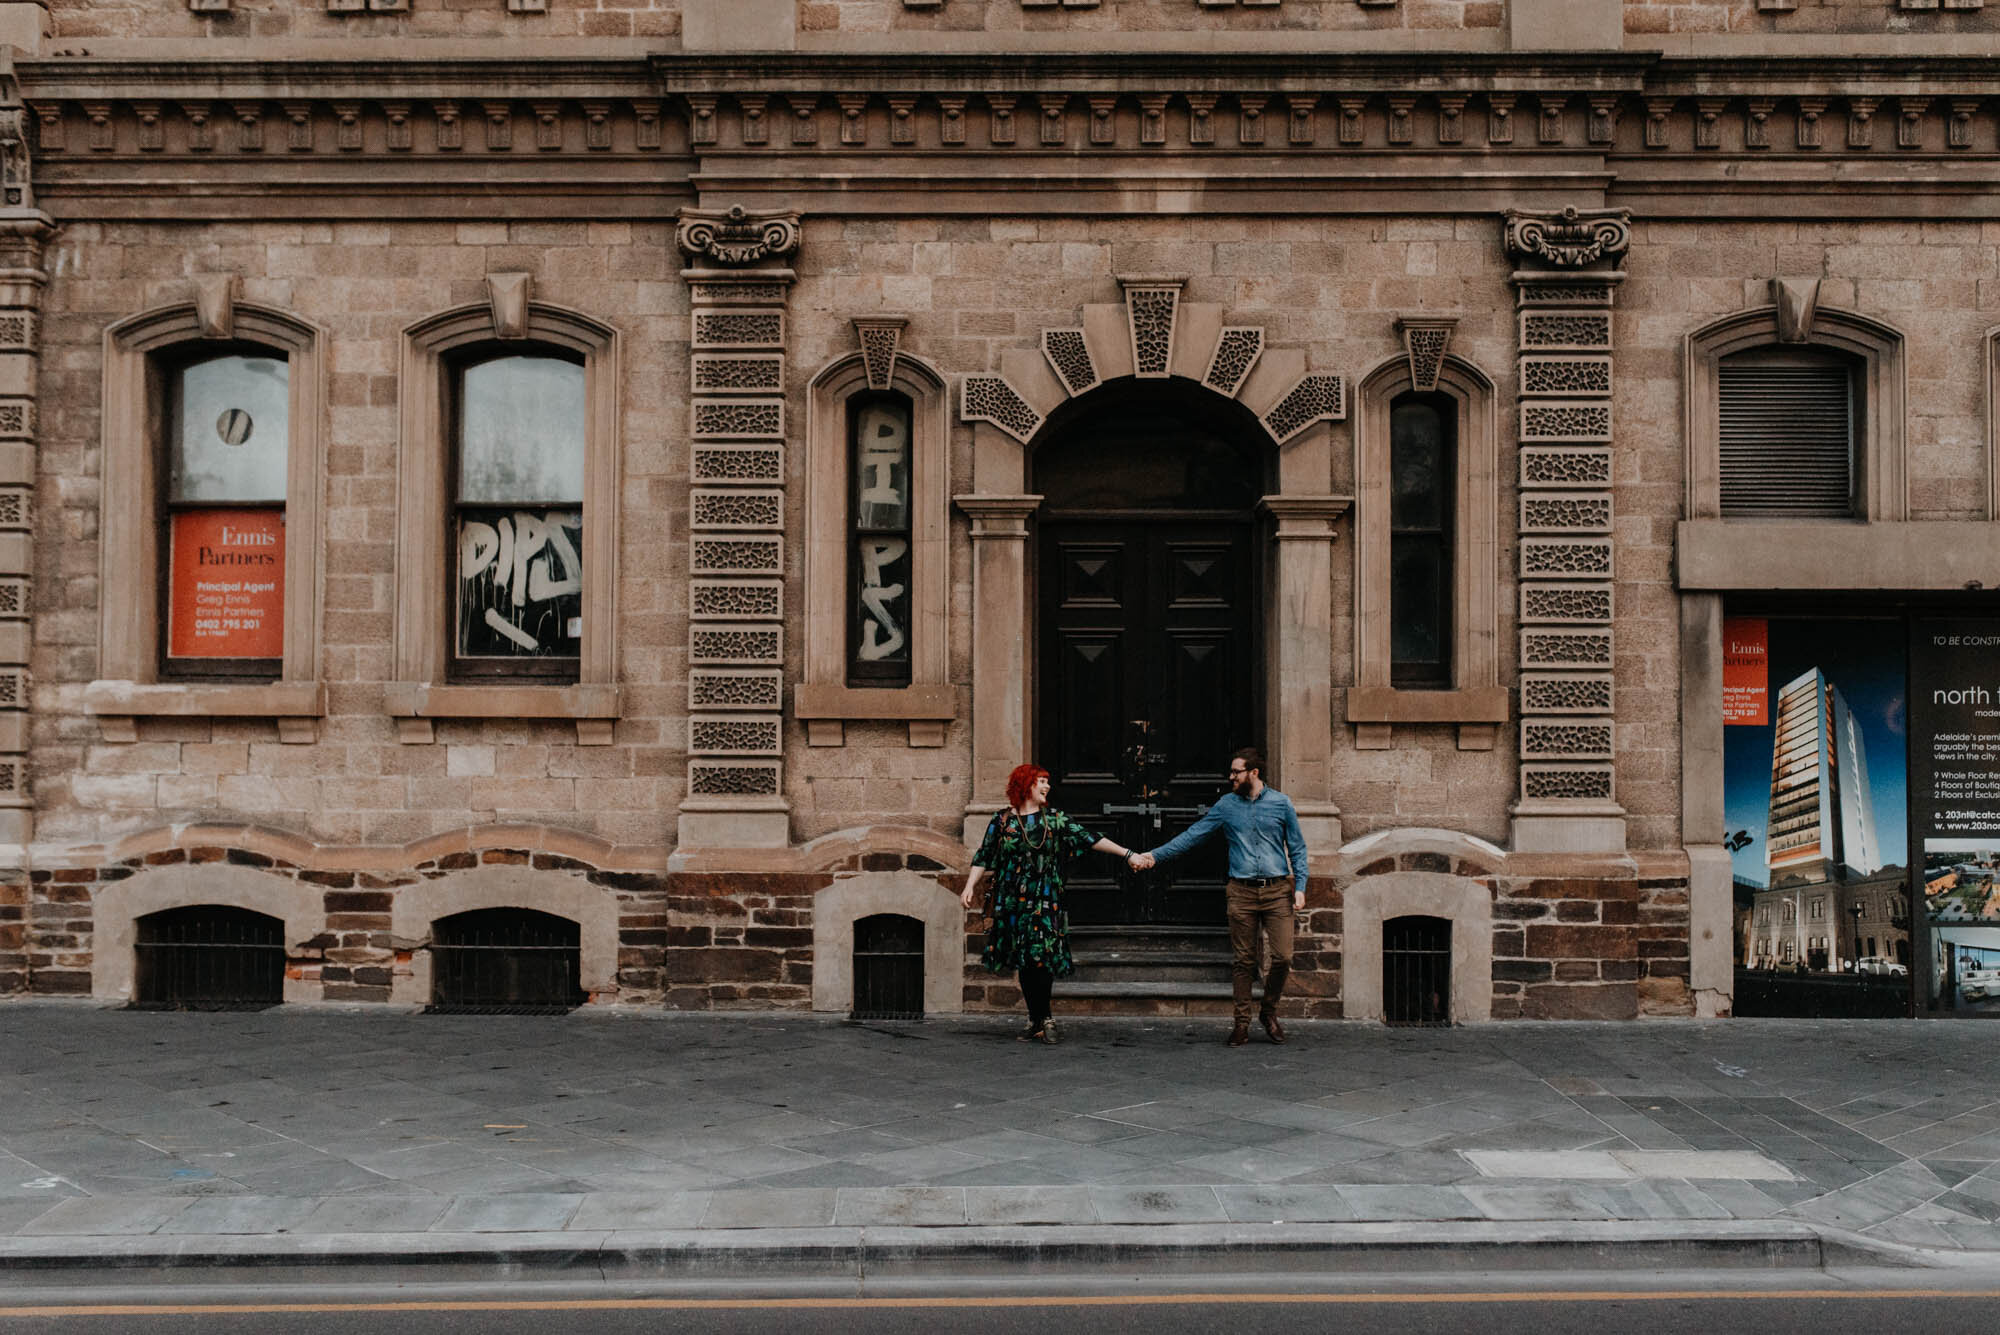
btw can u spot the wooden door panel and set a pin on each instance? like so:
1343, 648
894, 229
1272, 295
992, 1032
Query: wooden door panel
1088, 692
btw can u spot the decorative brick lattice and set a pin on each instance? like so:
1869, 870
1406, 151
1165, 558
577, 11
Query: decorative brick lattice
1543, 739
1069, 354
989, 398
1566, 693
739, 556
16, 507
735, 644
879, 344
1566, 602
1152, 313
739, 375
13, 776
1575, 512
729, 418
1587, 467
738, 600
1236, 351
17, 331
739, 294
17, 419
13, 688
720, 778
734, 736
1567, 782
1566, 649
1564, 330
1565, 421
13, 597
1559, 558
739, 463
1316, 398
751, 688
1565, 375
1564, 294
739, 329
737, 509
1426, 345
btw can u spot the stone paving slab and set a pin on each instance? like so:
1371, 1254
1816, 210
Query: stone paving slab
317, 1124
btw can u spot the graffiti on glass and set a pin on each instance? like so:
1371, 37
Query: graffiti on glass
520, 583
882, 520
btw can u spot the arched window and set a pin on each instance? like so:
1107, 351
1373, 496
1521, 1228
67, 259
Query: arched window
213, 481
1423, 449
516, 523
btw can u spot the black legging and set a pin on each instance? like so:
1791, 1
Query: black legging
1036, 985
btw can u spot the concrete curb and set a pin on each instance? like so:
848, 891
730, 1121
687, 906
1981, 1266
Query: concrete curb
879, 1252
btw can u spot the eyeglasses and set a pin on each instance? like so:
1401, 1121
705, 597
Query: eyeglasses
1234, 772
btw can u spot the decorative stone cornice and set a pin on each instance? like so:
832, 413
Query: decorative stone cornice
736, 238
1572, 239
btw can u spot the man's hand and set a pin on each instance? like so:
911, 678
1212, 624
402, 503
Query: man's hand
1143, 861
1298, 901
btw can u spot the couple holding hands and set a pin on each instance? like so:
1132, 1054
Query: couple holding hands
1027, 844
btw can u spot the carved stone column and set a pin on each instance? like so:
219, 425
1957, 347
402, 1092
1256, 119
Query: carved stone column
24, 232
1300, 637
736, 540
1566, 274
1000, 637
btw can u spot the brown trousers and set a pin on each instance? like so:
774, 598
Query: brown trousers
1253, 909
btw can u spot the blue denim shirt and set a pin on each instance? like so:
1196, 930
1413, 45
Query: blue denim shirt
1264, 837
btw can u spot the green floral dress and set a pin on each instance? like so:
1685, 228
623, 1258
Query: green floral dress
1024, 859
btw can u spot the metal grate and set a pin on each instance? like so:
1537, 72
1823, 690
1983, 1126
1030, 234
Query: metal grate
888, 968
505, 962
208, 957
1787, 436
1416, 970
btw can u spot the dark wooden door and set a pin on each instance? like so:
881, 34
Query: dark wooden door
1147, 681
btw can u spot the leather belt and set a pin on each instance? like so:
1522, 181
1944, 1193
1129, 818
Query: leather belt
1260, 882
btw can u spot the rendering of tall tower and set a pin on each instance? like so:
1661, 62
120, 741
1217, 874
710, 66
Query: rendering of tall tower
1822, 816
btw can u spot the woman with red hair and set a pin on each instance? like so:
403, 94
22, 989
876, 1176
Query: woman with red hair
1024, 850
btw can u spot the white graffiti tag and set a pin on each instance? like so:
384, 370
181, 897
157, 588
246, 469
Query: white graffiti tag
517, 564
877, 555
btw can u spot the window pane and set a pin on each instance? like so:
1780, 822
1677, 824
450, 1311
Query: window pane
882, 466
1416, 600
520, 431
520, 583
1417, 466
231, 433
882, 637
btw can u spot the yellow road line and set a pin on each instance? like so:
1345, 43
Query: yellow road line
1130, 1300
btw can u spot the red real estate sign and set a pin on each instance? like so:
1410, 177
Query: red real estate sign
1746, 671
227, 595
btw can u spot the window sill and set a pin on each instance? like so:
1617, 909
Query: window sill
1746, 555
296, 706
824, 708
1477, 710
594, 707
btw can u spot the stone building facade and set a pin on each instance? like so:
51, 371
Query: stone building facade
1260, 230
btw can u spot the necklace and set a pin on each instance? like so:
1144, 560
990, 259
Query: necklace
1041, 827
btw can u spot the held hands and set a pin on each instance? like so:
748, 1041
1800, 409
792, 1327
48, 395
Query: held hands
1142, 861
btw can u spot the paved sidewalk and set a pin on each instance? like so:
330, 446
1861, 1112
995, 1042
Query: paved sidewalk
133, 1134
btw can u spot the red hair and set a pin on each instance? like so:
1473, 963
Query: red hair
1021, 780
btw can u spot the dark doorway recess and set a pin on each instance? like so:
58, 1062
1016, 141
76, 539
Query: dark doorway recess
888, 968
1416, 970
208, 957
1149, 634
505, 962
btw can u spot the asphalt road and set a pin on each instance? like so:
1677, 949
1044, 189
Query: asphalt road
1587, 1305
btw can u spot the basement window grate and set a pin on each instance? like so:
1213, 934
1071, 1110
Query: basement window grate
888, 968
1416, 971
208, 957
505, 962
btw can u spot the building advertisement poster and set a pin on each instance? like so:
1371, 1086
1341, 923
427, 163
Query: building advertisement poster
1955, 763
226, 584
1815, 798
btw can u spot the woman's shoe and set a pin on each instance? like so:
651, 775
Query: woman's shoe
1032, 1034
1048, 1034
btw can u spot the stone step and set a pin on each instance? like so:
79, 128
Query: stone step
1100, 941
1146, 991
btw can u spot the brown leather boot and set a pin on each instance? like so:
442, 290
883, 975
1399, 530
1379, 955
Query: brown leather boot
1272, 1029
1240, 1034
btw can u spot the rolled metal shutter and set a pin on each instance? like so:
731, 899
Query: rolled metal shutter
1787, 437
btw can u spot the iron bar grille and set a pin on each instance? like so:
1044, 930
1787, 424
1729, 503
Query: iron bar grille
888, 968
208, 957
1416, 971
505, 962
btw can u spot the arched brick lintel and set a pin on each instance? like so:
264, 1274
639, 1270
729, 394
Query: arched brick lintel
117, 907
593, 908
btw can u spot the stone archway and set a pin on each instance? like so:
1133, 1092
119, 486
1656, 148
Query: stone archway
1154, 335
